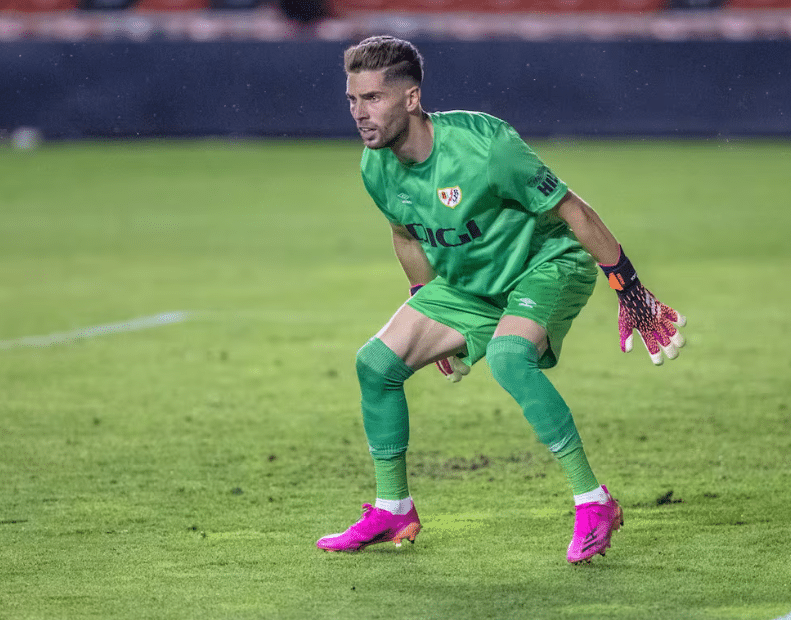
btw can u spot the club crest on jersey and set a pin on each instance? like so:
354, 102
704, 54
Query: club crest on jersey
450, 196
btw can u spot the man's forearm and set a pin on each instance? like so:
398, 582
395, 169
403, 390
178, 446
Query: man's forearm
413, 259
589, 229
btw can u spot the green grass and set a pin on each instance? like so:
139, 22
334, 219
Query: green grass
185, 471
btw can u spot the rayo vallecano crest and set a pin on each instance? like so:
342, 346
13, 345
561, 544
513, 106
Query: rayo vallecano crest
450, 196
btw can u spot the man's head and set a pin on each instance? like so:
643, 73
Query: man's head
383, 77
399, 59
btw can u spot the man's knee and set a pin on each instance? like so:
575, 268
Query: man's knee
512, 360
379, 368
514, 364
385, 414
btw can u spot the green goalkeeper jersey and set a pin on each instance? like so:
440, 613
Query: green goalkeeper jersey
478, 204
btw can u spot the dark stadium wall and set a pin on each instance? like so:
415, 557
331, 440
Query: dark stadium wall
291, 89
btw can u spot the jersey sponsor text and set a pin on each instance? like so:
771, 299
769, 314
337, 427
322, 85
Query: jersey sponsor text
445, 237
544, 181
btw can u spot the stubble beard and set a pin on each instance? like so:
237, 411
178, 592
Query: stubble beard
397, 139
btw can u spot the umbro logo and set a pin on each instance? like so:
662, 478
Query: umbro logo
526, 302
405, 199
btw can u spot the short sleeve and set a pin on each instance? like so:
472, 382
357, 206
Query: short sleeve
374, 190
516, 173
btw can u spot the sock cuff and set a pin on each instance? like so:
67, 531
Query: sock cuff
377, 356
598, 495
513, 344
395, 506
391, 452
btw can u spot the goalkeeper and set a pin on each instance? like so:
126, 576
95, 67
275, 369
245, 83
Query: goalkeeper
501, 257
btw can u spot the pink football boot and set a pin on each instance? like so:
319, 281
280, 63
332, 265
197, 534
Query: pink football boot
593, 526
375, 526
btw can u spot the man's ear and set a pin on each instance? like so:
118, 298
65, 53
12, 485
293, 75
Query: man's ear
413, 98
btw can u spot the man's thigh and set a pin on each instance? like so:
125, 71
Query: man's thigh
473, 318
552, 295
418, 339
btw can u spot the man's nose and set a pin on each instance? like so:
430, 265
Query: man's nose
359, 111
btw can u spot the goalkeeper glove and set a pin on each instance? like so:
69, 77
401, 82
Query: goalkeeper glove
639, 309
452, 367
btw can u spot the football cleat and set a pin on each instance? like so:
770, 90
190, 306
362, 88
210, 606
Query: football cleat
594, 524
375, 526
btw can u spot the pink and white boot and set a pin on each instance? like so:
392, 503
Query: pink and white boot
375, 526
594, 524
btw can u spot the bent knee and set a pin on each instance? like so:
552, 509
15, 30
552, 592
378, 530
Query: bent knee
377, 364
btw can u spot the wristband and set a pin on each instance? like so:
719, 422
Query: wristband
621, 276
414, 289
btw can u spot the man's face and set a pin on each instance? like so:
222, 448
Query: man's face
379, 108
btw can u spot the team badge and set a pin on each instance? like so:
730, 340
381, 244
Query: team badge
450, 196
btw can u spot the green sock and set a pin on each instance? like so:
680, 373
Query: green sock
391, 480
514, 364
579, 474
385, 415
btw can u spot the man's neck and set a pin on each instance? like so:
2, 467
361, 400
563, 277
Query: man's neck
418, 142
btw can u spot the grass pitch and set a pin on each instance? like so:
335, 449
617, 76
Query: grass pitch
184, 469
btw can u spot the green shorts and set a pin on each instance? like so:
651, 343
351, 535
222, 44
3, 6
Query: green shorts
552, 295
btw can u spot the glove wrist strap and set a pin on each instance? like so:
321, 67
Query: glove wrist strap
621, 276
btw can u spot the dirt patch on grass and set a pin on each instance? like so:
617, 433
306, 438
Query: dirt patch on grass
436, 465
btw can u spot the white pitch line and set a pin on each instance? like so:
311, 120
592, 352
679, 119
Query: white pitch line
143, 322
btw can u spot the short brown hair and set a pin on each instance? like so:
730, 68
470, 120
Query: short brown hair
399, 58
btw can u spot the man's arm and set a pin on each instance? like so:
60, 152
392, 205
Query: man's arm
419, 272
411, 256
589, 229
638, 308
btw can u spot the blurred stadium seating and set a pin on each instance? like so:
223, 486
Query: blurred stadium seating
268, 20
499, 6
170, 5
43, 6
271, 67
340, 8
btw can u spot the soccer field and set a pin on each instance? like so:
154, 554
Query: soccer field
179, 417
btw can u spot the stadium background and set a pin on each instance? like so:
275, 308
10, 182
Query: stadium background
97, 68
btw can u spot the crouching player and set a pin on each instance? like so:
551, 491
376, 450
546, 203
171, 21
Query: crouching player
501, 257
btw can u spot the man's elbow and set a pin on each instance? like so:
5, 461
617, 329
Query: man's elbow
573, 210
